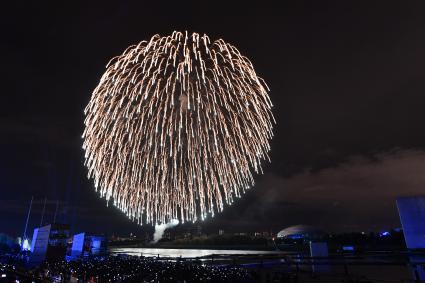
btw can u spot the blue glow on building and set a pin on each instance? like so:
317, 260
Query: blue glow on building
412, 217
385, 234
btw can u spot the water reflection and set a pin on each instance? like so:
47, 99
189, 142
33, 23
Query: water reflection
184, 253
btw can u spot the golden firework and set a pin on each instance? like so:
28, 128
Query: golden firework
175, 128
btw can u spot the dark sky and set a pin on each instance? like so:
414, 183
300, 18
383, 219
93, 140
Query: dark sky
347, 80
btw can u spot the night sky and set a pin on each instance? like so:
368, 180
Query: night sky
347, 81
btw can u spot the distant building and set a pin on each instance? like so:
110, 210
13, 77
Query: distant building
87, 245
49, 242
300, 232
198, 230
297, 235
266, 234
412, 217
221, 232
263, 234
193, 231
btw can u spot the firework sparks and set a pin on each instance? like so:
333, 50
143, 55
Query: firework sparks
175, 128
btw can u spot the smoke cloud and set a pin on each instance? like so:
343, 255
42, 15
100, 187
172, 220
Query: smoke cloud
160, 229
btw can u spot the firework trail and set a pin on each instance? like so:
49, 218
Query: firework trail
176, 127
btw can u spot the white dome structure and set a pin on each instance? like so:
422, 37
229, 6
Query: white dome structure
299, 232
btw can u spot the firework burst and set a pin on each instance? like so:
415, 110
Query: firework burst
175, 128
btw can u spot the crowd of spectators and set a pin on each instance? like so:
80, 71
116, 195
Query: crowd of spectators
139, 269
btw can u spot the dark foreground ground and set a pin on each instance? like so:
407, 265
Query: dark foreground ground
124, 269
230, 268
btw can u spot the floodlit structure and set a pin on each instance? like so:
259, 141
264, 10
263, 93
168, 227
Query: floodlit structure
412, 217
87, 245
49, 242
297, 237
319, 251
299, 232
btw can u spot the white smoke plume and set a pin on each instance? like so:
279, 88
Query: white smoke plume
160, 229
